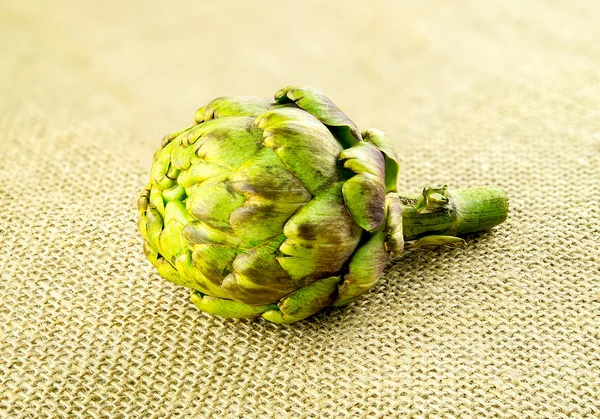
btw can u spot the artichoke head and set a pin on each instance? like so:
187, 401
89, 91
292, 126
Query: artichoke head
272, 208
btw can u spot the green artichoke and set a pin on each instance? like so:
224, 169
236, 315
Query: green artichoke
281, 208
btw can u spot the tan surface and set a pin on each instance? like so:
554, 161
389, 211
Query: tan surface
472, 92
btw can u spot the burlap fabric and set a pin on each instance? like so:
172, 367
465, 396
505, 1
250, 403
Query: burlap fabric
471, 92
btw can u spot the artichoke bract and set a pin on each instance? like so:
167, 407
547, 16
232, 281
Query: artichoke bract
281, 208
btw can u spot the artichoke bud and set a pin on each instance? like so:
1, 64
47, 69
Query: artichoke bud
279, 205
275, 208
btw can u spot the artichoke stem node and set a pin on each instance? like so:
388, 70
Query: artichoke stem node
440, 214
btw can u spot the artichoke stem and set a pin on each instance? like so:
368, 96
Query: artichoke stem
439, 212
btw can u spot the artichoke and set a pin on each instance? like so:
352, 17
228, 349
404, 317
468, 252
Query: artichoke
281, 208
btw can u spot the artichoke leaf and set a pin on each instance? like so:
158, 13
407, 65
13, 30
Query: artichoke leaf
161, 167
167, 271
364, 269
213, 203
171, 241
305, 146
142, 226
150, 252
319, 105
265, 176
258, 277
435, 241
144, 200
175, 210
321, 237
154, 227
156, 199
395, 240
164, 268
181, 155
304, 302
305, 262
228, 141
392, 165
228, 308
200, 171
198, 232
176, 193
213, 261
364, 193
161, 162
232, 106
192, 278
173, 135
364, 158
260, 262
243, 288
258, 220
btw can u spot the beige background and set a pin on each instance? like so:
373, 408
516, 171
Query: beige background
471, 92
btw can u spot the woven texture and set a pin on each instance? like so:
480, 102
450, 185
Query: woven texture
471, 92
